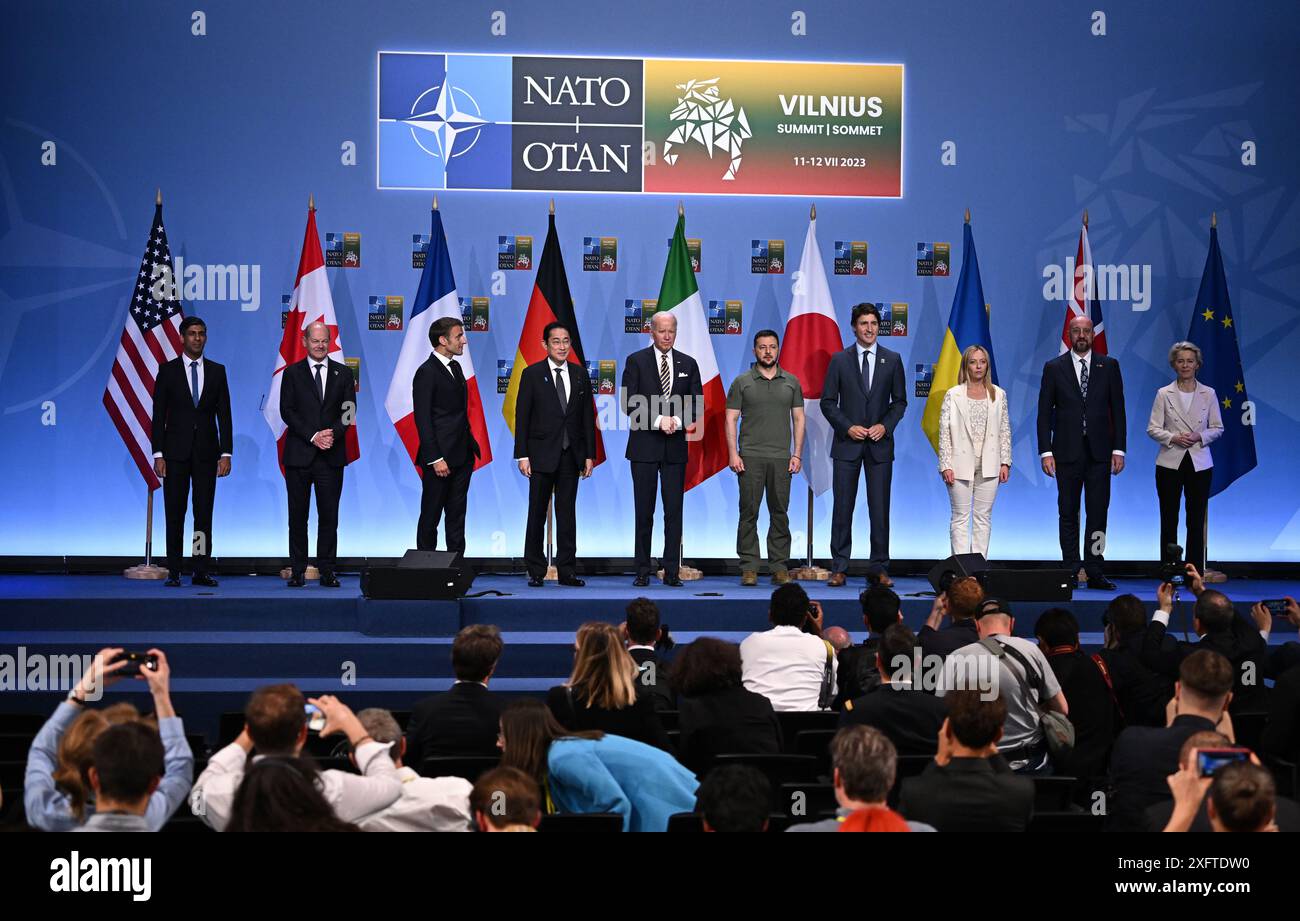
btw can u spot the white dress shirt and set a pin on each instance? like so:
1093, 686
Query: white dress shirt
187, 362
1077, 361
786, 666
425, 804
672, 372
350, 795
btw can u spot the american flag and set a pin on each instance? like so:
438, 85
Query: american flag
152, 336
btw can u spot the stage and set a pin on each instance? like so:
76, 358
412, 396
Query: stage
252, 630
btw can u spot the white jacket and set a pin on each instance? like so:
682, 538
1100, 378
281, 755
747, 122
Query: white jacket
1168, 420
956, 448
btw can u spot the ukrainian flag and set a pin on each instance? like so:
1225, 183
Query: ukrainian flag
968, 324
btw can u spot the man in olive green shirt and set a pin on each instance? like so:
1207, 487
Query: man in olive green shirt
769, 398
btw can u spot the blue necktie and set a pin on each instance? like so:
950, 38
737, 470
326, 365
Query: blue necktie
194, 381
866, 371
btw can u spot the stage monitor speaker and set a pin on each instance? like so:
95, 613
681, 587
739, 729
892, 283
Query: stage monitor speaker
421, 575
957, 566
1028, 584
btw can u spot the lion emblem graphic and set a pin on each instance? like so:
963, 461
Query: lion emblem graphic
703, 116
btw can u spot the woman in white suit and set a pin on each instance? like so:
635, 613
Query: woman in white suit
974, 450
1185, 420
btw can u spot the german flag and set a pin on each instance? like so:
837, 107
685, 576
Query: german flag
550, 303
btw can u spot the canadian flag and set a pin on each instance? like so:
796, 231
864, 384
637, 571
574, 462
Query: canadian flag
311, 303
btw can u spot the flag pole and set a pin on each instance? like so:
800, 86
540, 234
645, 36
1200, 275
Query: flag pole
684, 572
552, 574
1208, 574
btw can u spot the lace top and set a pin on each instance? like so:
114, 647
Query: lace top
977, 416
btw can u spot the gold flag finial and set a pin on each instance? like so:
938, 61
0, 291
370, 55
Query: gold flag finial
435, 203
681, 211
812, 212
1214, 219
968, 215
1085, 217
158, 198
311, 202
552, 208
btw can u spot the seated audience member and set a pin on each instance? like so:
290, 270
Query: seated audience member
962, 601
506, 799
1024, 681
1092, 708
283, 793
126, 770
463, 719
881, 609
1242, 798
734, 798
1144, 757
1221, 629
1141, 694
909, 716
717, 714
647, 644
601, 692
793, 669
426, 803
1281, 736
864, 764
275, 726
839, 639
586, 772
969, 787
1158, 816
56, 785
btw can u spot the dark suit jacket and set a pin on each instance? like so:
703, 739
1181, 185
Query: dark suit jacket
441, 406
639, 722
1281, 736
944, 642
1141, 760
1061, 409
1092, 712
642, 399
1142, 693
539, 424
856, 671
660, 690
463, 720
845, 403
969, 794
730, 721
1164, 653
911, 719
183, 431
305, 414
1287, 816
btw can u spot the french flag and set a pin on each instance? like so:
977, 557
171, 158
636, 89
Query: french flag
435, 298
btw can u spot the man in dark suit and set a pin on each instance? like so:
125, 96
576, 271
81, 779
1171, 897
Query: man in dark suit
857, 673
448, 450
1144, 757
192, 444
969, 787
1092, 706
899, 705
864, 398
555, 444
1141, 694
662, 396
464, 720
318, 402
1082, 437
648, 646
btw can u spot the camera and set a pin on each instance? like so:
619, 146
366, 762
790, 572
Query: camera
1173, 568
136, 662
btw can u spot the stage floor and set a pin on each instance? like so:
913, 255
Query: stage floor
253, 630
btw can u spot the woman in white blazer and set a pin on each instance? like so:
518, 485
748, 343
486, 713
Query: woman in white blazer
1185, 420
974, 450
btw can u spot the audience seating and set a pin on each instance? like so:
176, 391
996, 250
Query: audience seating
467, 766
793, 722
1054, 793
817, 800
594, 822
779, 769
815, 742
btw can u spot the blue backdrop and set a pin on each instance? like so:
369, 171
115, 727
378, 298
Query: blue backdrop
1143, 126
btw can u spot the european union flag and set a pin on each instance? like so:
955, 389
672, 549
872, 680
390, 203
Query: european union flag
1213, 330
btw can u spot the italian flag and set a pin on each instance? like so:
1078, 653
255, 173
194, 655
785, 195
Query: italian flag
680, 296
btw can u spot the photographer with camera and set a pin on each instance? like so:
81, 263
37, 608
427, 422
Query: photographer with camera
790, 664
1244, 643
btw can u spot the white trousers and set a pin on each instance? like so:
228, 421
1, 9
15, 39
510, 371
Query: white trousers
972, 506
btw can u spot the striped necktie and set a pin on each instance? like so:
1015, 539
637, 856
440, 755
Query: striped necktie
665, 377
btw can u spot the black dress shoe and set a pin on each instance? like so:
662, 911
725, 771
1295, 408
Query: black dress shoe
204, 581
572, 581
295, 581
330, 581
1101, 584
641, 581
173, 582
673, 582
536, 581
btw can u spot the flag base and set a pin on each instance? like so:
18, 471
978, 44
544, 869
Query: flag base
552, 574
145, 571
685, 573
1213, 576
810, 574
310, 573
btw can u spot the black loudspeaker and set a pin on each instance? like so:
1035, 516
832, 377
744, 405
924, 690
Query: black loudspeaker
421, 575
956, 567
1028, 584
